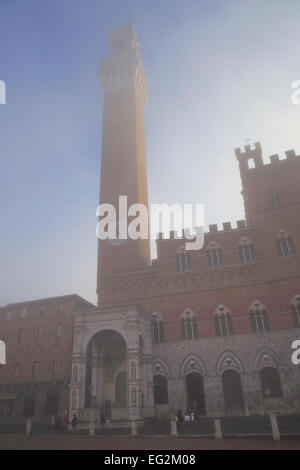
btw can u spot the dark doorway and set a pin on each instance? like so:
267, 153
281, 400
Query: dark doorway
29, 407
160, 390
195, 393
233, 395
52, 404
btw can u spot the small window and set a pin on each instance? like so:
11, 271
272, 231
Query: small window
35, 369
274, 199
39, 334
271, 383
8, 315
58, 330
23, 312
16, 370
42, 310
55, 367
20, 336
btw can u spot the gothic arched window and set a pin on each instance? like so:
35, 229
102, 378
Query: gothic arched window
246, 251
214, 255
189, 325
183, 261
259, 318
158, 331
295, 309
285, 244
223, 322
271, 383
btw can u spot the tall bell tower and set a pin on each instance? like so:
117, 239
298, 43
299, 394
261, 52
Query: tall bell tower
123, 167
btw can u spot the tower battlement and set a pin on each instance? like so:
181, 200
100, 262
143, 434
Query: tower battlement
249, 154
255, 154
123, 41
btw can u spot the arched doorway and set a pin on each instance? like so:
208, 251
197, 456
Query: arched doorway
232, 390
195, 393
106, 372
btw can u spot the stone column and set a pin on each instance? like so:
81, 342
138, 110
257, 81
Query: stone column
134, 387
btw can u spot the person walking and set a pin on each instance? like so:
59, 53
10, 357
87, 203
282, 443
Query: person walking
74, 424
102, 422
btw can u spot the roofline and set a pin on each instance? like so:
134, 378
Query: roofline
48, 299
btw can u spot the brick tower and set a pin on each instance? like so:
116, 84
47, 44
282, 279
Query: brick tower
123, 168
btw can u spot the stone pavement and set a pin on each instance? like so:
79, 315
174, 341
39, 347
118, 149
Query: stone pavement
44, 442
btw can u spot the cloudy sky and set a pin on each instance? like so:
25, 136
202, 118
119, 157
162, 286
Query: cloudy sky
219, 71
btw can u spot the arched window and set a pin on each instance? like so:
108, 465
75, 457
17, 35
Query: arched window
158, 331
295, 309
214, 255
285, 244
189, 325
271, 383
223, 322
160, 391
246, 251
274, 199
183, 261
259, 319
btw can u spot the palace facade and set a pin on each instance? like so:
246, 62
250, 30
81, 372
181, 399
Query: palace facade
208, 330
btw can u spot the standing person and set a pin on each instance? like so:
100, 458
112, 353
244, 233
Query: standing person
179, 418
102, 422
74, 424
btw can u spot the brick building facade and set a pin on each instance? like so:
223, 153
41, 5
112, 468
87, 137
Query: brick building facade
208, 330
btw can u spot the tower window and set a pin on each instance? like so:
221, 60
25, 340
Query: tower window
285, 244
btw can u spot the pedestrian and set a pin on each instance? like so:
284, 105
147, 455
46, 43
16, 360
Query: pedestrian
102, 422
74, 424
